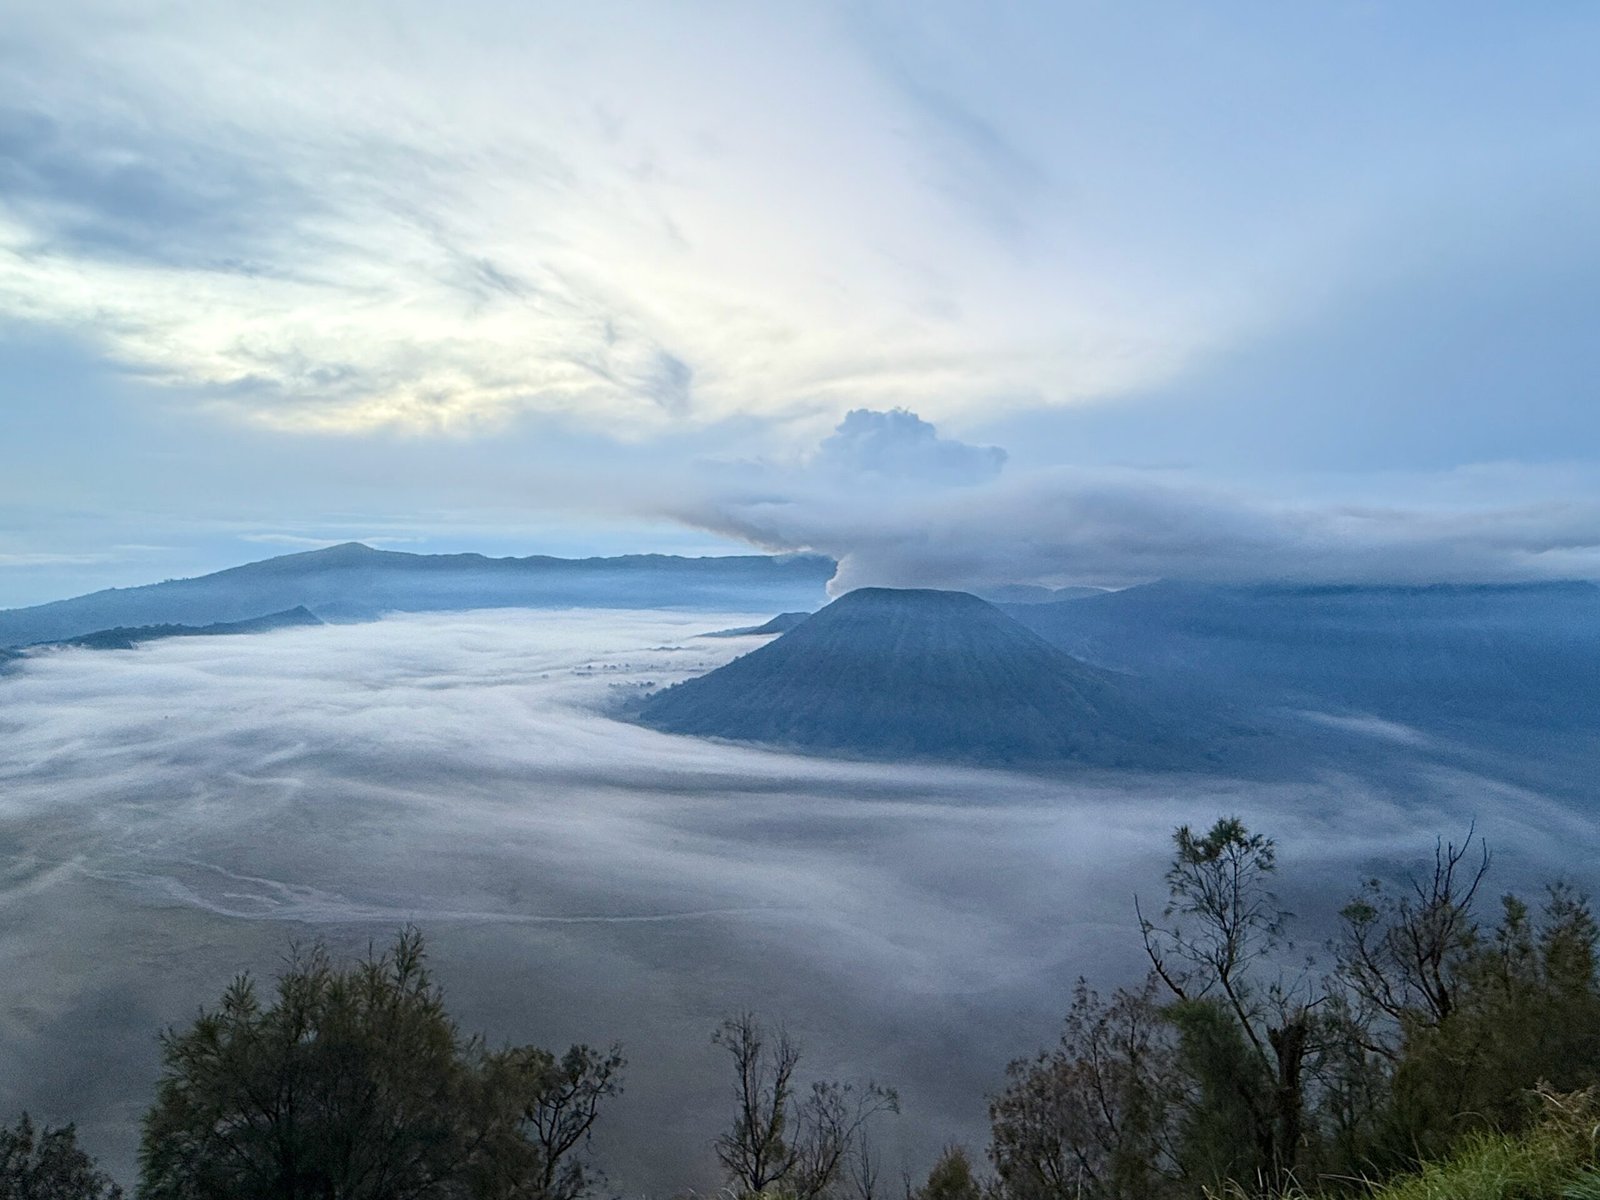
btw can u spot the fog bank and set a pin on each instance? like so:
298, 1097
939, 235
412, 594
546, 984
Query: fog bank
177, 813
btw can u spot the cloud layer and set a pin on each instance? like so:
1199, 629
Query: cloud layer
341, 222
171, 815
898, 506
507, 278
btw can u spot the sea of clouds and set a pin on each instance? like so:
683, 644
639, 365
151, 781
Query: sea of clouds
176, 814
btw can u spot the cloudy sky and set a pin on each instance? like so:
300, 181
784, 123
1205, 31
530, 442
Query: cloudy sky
1236, 290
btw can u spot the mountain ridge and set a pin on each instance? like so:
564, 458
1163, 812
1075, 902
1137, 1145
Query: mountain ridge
353, 581
1436, 654
127, 637
781, 623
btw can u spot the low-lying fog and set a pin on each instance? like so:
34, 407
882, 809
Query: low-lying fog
175, 814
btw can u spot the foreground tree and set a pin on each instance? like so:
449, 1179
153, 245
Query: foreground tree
355, 1085
807, 1145
1246, 1036
1095, 1117
1401, 951
46, 1164
1526, 1013
1458, 1020
1229, 1075
952, 1178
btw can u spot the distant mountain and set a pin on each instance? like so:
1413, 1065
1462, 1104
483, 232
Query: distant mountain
911, 673
356, 582
781, 623
127, 638
1515, 654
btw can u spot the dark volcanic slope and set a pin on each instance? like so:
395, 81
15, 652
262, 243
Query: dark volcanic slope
1516, 654
891, 673
128, 638
781, 623
356, 582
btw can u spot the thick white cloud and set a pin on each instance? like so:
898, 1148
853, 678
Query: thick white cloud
899, 447
881, 496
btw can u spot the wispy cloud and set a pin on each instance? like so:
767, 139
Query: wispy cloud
319, 225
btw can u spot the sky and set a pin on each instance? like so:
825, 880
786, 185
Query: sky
959, 294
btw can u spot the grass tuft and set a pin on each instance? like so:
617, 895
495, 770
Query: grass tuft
1556, 1160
